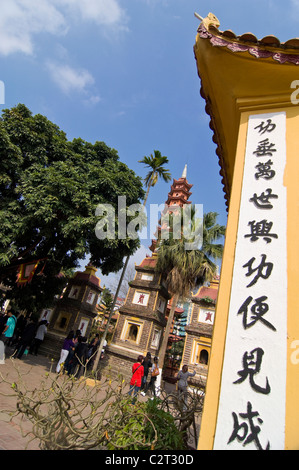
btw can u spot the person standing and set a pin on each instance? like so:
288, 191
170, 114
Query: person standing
154, 374
9, 328
137, 374
92, 350
67, 345
147, 364
68, 363
39, 337
20, 326
183, 376
26, 338
80, 358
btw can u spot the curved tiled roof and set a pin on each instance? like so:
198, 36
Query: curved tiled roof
148, 262
87, 278
204, 292
89, 275
267, 47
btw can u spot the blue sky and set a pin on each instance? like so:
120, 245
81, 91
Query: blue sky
123, 72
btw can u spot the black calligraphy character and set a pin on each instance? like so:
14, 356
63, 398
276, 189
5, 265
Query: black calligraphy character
264, 170
268, 127
260, 229
241, 431
258, 310
252, 365
264, 270
263, 201
264, 148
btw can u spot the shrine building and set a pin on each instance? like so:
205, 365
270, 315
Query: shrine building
199, 331
74, 310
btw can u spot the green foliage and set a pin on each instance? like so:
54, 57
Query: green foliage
186, 268
174, 353
106, 298
156, 165
148, 428
183, 268
49, 190
208, 300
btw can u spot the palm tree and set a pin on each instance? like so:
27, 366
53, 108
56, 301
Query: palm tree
184, 269
157, 170
156, 164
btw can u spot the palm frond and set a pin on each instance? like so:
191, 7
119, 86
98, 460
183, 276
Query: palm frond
183, 269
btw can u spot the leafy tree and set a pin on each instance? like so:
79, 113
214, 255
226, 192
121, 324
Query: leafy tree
184, 269
106, 299
49, 190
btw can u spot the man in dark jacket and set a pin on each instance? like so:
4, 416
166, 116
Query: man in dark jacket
26, 338
147, 364
80, 357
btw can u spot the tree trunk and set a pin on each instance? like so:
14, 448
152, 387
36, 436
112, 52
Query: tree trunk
164, 344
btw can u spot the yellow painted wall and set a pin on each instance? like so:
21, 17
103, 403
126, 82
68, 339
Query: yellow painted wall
291, 180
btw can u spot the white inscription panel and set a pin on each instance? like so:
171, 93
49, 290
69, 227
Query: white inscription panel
251, 412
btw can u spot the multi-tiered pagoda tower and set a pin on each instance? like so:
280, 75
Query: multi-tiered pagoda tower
142, 318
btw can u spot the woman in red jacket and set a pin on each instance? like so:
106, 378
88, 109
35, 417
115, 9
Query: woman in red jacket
137, 374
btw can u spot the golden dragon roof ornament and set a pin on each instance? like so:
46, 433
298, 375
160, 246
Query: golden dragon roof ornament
210, 20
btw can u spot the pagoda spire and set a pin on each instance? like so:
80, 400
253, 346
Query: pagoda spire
184, 174
178, 196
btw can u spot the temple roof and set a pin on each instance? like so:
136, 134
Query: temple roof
148, 262
88, 276
210, 291
181, 181
204, 292
268, 46
230, 83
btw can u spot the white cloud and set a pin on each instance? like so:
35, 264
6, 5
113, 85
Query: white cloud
103, 12
71, 80
22, 20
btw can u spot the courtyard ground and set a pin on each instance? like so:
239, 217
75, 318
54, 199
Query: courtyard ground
32, 369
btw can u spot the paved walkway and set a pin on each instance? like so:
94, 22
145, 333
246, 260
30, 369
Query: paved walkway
32, 369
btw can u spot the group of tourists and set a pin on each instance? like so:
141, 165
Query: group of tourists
23, 334
77, 354
140, 371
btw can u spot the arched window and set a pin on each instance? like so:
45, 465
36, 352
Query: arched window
204, 357
133, 332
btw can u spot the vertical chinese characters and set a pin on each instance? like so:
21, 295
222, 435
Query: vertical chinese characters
256, 332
